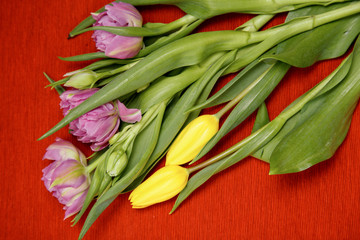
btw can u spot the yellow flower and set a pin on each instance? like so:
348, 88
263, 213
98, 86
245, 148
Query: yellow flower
161, 186
192, 139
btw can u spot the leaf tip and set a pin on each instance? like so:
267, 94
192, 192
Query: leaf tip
273, 172
173, 210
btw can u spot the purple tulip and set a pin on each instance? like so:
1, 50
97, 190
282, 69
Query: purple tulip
118, 15
100, 124
66, 177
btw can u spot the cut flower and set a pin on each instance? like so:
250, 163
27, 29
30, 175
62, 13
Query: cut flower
100, 124
118, 14
66, 177
192, 139
161, 186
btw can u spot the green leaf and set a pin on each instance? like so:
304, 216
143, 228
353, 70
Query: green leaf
143, 147
238, 84
329, 41
262, 118
265, 153
266, 83
59, 89
84, 57
321, 126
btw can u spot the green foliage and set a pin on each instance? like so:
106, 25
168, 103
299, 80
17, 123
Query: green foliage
313, 137
311, 52
146, 139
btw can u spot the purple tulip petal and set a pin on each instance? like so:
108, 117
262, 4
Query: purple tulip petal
66, 194
123, 47
62, 150
131, 115
66, 176
75, 206
95, 127
124, 14
118, 14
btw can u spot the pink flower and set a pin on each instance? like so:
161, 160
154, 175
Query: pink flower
66, 177
118, 15
100, 124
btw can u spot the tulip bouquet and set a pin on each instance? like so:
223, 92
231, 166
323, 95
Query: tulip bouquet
142, 99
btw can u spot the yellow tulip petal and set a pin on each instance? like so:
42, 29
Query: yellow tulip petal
192, 139
164, 184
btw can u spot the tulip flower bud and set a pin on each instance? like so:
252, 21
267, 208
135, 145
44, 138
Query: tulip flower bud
161, 186
82, 80
116, 163
118, 14
192, 139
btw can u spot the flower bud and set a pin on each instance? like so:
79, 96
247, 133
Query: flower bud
161, 186
82, 80
192, 139
118, 14
116, 163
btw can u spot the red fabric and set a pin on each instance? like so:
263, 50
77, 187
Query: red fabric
243, 202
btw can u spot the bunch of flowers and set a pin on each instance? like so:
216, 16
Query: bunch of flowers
141, 100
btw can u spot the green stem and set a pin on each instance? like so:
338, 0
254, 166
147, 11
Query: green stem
255, 23
239, 97
94, 164
224, 154
116, 71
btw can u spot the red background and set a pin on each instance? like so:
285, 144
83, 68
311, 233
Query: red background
243, 202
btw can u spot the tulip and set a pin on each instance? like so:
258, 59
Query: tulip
192, 139
66, 177
82, 80
100, 124
118, 14
161, 186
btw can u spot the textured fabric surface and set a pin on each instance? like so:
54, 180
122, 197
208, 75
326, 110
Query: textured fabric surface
243, 202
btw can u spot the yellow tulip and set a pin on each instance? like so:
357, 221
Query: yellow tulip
192, 139
161, 186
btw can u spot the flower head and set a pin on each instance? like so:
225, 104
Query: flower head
161, 186
192, 139
66, 177
118, 14
100, 124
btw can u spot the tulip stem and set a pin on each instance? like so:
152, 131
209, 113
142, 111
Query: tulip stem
242, 94
116, 71
222, 155
94, 164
